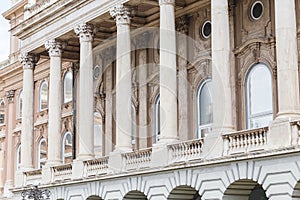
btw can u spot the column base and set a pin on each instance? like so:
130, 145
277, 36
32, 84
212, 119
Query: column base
7, 186
50, 163
164, 141
122, 149
85, 157
287, 116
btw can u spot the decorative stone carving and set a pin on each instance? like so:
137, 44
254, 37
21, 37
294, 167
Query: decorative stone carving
29, 60
10, 96
109, 55
166, 2
141, 41
182, 24
122, 14
85, 32
55, 47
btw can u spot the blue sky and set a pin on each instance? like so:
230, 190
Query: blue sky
4, 34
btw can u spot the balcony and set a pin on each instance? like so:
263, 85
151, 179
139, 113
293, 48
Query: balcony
236, 145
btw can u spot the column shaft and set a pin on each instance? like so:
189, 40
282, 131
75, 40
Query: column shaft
123, 78
86, 102
287, 59
168, 74
29, 61
221, 94
55, 101
10, 116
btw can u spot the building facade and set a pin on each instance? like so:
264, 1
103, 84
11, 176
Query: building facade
152, 99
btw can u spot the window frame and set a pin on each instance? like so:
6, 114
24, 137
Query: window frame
64, 155
156, 120
200, 127
40, 94
18, 157
39, 153
64, 87
248, 114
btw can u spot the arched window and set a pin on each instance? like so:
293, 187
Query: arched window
204, 108
2, 111
67, 148
42, 153
43, 97
156, 120
259, 96
20, 103
68, 82
18, 157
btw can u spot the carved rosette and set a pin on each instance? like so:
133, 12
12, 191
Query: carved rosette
182, 24
29, 60
122, 14
85, 32
10, 96
54, 47
167, 2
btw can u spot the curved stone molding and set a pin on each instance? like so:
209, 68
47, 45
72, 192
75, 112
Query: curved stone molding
122, 14
10, 96
29, 60
166, 2
54, 47
85, 32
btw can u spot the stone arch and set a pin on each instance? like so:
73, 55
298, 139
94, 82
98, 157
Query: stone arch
245, 189
184, 192
135, 195
94, 197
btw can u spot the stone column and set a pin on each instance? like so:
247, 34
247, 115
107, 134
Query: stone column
221, 94
10, 158
287, 60
141, 46
122, 15
182, 38
28, 61
54, 48
168, 74
85, 32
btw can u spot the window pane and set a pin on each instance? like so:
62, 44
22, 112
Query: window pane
2, 112
259, 96
68, 87
67, 148
43, 153
43, 96
205, 104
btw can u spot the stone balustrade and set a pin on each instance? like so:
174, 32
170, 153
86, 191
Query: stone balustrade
96, 167
62, 172
33, 177
245, 141
185, 151
137, 159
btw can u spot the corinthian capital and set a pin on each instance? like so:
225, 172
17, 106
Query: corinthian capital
29, 60
54, 47
122, 14
10, 95
166, 2
85, 32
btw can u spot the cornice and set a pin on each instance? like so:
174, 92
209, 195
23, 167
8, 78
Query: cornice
19, 5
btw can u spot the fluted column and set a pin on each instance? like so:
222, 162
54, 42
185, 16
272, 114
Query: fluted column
10, 117
287, 60
221, 94
122, 15
85, 32
54, 49
28, 61
168, 76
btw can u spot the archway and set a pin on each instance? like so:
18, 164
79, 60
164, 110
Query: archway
296, 192
184, 192
94, 197
135, 195
245, 190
